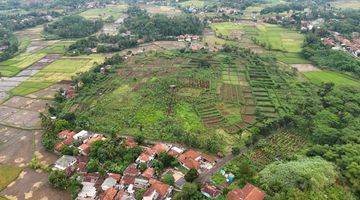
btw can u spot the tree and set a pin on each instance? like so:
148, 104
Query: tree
168, 179
305, 174
93, 165
246, 172
190, 191
58, 179
191, 175
166, 159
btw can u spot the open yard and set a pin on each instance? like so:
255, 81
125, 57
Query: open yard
62, 69
114, 11
318, 77
8, 174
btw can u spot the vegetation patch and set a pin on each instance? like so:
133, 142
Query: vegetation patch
8, 174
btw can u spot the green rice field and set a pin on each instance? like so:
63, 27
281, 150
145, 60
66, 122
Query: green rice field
14, 65
115, 11
318, 77
62, 69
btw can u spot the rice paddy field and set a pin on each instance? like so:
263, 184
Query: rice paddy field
318, 77
62, 69
284, 44
193, 4
346, 4
115, 11
14, 65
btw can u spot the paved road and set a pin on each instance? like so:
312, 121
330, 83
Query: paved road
205, 176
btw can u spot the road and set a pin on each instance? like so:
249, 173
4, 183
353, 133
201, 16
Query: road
205, 176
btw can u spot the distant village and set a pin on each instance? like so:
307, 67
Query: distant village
123, 186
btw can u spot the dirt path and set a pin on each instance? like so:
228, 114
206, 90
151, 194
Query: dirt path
205, 176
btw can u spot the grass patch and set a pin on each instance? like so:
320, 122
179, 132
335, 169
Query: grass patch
115, 11
8, 174
193, 3
189, 119
290, 58
218, 179
318, 77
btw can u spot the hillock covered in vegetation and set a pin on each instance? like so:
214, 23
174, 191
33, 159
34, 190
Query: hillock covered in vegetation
73, 27
8, 44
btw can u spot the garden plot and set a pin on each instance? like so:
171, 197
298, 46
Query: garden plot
305, 67
48, 93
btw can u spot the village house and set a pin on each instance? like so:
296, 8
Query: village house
90, 182
65, 162
67, 139
157, 191
130, 142
179, 177
129, 175
82, 135
141, 182
148, 173
84, 149
249, 192
109, 182
194, 159
210, 191
187, 38
175, 151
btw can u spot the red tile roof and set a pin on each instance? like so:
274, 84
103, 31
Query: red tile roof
66, 134
95, 138
127, 180
68, 141
81, 167
109, 194
159, 187
144, 157
130, 142
149, 173
191, 154
188, 159
131, 170
159, 147
117, 177
249, 192
59, 146
85, 148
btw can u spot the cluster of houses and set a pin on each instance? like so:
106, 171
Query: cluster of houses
123, 186
187, 38
339, 42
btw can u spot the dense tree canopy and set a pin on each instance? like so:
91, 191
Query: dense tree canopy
324, 56
8, 44
73, 27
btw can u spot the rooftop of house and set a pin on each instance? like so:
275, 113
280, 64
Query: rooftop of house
149, 173
211, 190
161, 188
130, 142
66, 134
65, 161
131, 170
109, 194
249, 192
160, 147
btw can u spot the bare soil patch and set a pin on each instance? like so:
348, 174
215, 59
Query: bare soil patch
305, 67
34, 185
